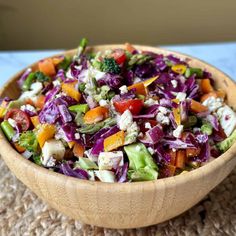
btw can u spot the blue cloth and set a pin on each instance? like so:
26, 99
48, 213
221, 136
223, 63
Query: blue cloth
221, 55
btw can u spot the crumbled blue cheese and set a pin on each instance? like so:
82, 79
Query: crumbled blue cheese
34, 90
77, 135
56, 83
123, 89
110, 160
50, 162
181, 96
132, 133
227, 118
148, 125
103, 103
178, 131
161, 118
174, 83
163, 110
28, 107
150, 102
213, 103
91, 175
125, 120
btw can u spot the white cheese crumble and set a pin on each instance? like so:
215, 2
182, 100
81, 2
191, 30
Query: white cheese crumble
150, 102
213, 103
151, 150
161, 118
35, 89
88, 154
174, 83
132, 133
77, 135
125, 120
178, 131
50, 162
110, 160
148, 125
103, 103
123, 89
181, 96
28, 107
163, 110
56, 83
227, 118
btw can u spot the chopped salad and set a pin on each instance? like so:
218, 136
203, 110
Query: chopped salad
118, 115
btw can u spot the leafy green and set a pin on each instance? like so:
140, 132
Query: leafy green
110, 65
29, 141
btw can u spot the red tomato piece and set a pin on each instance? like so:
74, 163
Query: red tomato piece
134, 105
119, 56
20, 117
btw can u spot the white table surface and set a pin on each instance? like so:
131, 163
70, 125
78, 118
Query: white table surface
221, 55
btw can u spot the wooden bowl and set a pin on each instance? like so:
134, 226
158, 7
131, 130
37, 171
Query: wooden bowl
126, 205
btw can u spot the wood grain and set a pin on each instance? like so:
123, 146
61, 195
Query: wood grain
127, 205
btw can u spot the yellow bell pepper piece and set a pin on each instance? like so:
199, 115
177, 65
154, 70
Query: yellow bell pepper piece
35, 120
71, 144
70, 90
45, 132
2, 112
149, 81
176, 112
179, 68
176, 100
114, 141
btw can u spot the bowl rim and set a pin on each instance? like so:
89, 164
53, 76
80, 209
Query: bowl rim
169, 181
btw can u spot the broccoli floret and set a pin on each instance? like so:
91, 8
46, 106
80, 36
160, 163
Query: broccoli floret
28, 140
110, 65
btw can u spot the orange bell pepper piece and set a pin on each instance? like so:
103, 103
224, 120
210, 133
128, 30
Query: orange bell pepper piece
78, 150
129, 47
35, 120
57, 60
114, 141
47, 67
192, 152
45, 132
179, 68
206, 86
19, 148
172, 157
70, 90
197, 107
139, 88
95, 115
40, 101
29, 101
180, 159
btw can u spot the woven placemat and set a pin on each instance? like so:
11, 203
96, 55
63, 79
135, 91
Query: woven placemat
23, 213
